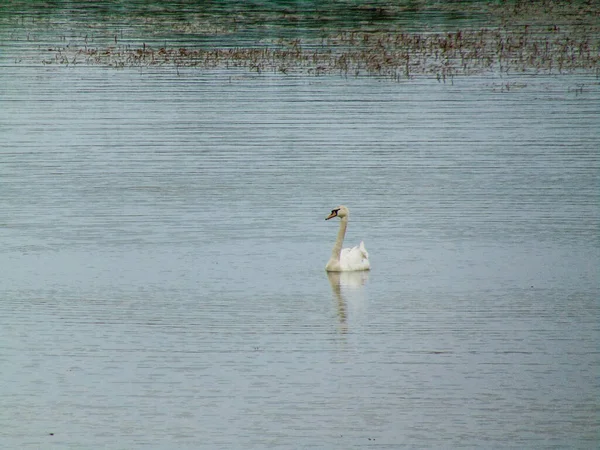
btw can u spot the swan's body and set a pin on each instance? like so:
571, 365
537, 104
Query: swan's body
347, 259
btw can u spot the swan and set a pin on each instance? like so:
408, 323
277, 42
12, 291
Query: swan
348, 259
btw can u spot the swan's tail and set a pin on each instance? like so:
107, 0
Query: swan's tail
363, 250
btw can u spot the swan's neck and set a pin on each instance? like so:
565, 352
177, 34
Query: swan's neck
337, 248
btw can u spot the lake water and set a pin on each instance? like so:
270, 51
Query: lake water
163, 244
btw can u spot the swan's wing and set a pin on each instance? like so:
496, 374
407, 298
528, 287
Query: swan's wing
363, 250
355, 258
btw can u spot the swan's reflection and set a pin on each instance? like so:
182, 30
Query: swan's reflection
347, 286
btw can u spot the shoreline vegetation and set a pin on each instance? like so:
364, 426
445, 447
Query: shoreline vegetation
545, 37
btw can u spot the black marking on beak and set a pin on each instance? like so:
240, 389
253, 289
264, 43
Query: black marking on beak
333, 214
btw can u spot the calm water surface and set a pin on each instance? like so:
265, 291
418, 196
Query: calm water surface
163, 242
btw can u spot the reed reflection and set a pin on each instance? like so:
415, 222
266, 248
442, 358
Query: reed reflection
348, 289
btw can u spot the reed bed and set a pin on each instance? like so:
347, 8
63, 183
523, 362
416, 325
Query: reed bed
391, 55
547, 37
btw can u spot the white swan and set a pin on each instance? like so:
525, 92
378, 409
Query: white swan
348, 259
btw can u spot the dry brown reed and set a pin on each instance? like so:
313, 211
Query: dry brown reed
392, 55
551, 38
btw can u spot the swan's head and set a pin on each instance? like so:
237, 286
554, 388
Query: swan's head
340, 211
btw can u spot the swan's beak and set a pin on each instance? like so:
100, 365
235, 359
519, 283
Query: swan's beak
332, 215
